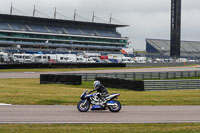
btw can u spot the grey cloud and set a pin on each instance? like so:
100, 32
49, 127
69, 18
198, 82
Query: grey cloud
147, 18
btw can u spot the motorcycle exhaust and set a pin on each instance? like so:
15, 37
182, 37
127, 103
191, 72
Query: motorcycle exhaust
111, 104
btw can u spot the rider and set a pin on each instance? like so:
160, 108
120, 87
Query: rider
101, 89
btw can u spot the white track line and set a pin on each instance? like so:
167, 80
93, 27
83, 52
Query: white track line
163, 122
4, 104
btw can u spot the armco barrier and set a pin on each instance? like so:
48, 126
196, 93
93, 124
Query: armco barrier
89, 65
162, 64
60, 79
140, 75
60, 65
171, 84
121, 83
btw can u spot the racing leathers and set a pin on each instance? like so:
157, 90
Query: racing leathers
103, 91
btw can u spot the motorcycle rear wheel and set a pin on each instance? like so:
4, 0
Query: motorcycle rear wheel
116, 107
83, 108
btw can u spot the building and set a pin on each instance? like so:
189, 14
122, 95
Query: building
189, 49
25, 33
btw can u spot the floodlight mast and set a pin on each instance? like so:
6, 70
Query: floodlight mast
11, 9
175, 42
55, 13
34, 11
74, 14
93, 17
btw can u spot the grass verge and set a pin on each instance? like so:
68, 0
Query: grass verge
77, 69
101, 128
30, 92
58, 69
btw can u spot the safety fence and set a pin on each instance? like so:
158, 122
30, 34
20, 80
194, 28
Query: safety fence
133, 81
60, 65
140, 75
171, 84
90, 65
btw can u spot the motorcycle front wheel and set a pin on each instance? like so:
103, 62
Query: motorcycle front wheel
116, 107
83, 106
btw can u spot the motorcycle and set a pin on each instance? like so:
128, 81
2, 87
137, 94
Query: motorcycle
97, 103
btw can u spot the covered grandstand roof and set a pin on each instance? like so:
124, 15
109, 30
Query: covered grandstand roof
159, 45
51, 21
57, 26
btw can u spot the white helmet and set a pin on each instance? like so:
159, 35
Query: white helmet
96, 84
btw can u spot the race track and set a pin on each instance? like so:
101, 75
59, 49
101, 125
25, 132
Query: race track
7, 75
69, 114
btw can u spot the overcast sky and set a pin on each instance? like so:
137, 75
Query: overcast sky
146, 18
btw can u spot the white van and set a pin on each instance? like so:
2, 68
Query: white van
127, 60
40, 58
61, 58
80, 59
23, 58
4, 57
71, 57
52, 58
90, 60
140, 59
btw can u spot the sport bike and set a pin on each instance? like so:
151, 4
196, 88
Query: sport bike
97, 102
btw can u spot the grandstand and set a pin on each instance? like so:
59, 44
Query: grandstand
34, 33
162, 47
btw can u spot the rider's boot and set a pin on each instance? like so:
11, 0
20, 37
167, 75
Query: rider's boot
105, 108
103, 102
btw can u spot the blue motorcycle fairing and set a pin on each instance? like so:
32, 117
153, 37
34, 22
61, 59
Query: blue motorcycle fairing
111, 102
90, 95
96, 107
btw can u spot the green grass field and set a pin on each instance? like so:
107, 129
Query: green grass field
101, 128
31, 92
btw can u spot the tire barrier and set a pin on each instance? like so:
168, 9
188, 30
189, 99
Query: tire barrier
121, 83
146, 85
60, 79
60, 65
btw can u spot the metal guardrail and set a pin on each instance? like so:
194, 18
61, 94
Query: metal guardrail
171, 84
161, 64
140, 75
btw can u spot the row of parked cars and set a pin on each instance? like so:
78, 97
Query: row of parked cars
82, 58
64, 58
42, 58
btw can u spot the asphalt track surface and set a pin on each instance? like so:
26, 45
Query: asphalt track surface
7, 75
69, 114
